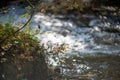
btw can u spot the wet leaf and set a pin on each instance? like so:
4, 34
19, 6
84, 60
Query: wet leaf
25, 15
28, 8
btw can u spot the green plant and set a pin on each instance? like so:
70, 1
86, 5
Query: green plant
61, 6
21, 45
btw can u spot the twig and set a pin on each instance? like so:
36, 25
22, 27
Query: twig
22, 26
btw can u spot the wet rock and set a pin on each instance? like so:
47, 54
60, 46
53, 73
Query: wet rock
24, 70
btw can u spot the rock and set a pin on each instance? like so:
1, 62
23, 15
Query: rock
24, 70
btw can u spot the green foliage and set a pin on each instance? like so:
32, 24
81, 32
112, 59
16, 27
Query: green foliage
62, 6
25, 15
21, 45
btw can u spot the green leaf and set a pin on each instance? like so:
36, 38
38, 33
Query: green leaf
25, 15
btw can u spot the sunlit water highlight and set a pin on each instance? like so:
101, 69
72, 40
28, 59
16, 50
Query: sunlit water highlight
78, 39
88, 45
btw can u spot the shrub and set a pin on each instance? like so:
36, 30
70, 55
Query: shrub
21, 44
21, 57
61, 6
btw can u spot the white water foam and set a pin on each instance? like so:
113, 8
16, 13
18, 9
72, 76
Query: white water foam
57, 32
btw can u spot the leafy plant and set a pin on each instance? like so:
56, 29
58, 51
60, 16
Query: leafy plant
21, 45
61, 6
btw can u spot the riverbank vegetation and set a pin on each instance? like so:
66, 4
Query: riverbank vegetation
76, 6
21, 56
66, 6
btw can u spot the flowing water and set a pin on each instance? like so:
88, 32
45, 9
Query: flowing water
90, 52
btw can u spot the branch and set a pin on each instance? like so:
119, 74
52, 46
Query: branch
22, 26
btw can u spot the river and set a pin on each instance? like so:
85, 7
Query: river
91, 52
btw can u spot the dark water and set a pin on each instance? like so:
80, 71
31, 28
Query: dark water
90, 67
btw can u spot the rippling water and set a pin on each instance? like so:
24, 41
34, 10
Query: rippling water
97, 67
92, 52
